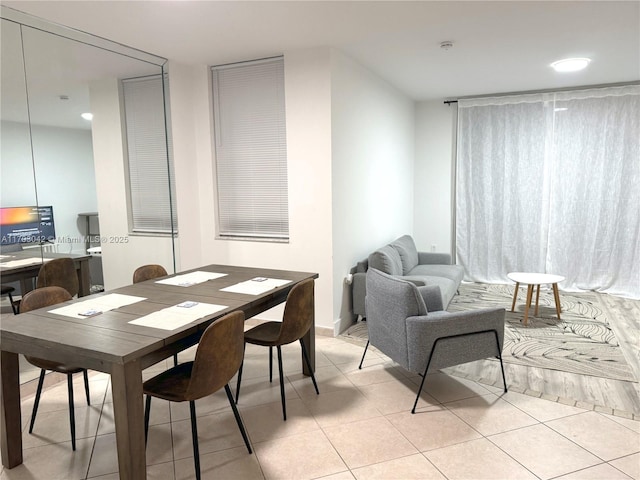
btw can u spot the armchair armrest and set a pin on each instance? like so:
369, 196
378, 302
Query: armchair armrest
418, 282
432, 258
432, 297
423, 331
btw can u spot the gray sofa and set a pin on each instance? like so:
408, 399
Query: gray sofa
401, 258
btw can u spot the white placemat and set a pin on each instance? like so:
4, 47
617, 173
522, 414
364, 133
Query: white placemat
95, 306
177, 316
193, 278
256, 286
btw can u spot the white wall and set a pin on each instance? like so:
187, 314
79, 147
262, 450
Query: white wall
64, 175
433, 176
372, 170
122, 253
308, 113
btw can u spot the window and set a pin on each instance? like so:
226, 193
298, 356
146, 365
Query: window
151, 185
251, 150
549, 183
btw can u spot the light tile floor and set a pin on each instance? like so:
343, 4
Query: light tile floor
359, 427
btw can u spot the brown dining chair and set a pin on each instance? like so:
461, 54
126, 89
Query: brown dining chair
218, 357
296, 321
59, 272
40, 298
148, 272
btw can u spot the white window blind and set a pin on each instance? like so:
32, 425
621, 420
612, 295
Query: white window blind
151, 186
251, 150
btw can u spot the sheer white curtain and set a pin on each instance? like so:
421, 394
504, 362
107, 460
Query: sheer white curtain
551, 183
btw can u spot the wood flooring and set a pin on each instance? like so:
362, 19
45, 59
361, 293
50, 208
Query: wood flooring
614, 396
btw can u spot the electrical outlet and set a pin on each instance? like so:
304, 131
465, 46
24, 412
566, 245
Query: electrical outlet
433, 247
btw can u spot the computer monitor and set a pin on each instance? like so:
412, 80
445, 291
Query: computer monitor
31, 224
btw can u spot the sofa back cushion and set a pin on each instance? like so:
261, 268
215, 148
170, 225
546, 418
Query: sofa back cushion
387, 260
406, 248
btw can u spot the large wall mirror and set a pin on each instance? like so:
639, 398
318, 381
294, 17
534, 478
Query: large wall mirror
78, 177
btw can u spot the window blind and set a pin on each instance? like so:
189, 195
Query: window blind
251, 149
151, 185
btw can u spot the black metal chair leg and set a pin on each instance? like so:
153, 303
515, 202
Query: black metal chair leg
240, 374
365, 352
424, 377
504, 379
270, 364
175, 359
86, 386
147, 413
306, 359
194, 436
238, 419
284, 404
72, 416
13, 305
36, 402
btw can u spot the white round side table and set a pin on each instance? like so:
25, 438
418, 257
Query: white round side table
532, 280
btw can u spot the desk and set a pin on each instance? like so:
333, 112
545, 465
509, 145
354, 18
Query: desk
110, 344
28, 272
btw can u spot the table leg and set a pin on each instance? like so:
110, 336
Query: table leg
526, 308
126, 383
11, 431
309, 341
537, 298
515, 296
84, 278
556, 296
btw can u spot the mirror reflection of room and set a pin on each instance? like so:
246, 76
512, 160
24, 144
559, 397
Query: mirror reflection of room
68, 184
59, 170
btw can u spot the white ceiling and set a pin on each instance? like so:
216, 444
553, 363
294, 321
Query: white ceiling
502, 46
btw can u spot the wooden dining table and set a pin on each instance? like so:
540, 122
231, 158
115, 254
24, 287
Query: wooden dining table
109, 343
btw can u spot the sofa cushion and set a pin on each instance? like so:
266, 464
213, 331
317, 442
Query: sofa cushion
408, 252
387, 260
452, 272
447, 287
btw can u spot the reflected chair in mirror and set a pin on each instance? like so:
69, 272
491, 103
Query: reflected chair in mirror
59, 272
407, 324
148, 272
218, 358
46, 297
296, 322
8, 291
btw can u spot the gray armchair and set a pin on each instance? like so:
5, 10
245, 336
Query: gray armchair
407, 324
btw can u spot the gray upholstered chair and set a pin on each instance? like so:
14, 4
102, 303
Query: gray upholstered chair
46, 297
407, 324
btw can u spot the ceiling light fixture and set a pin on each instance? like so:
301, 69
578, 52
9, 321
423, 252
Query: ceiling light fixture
446, 45
570, 64
87, 116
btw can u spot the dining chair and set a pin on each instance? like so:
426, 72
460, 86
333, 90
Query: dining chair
8, 290
148, 272
40, 298
218, 357
296, 322
59, 272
